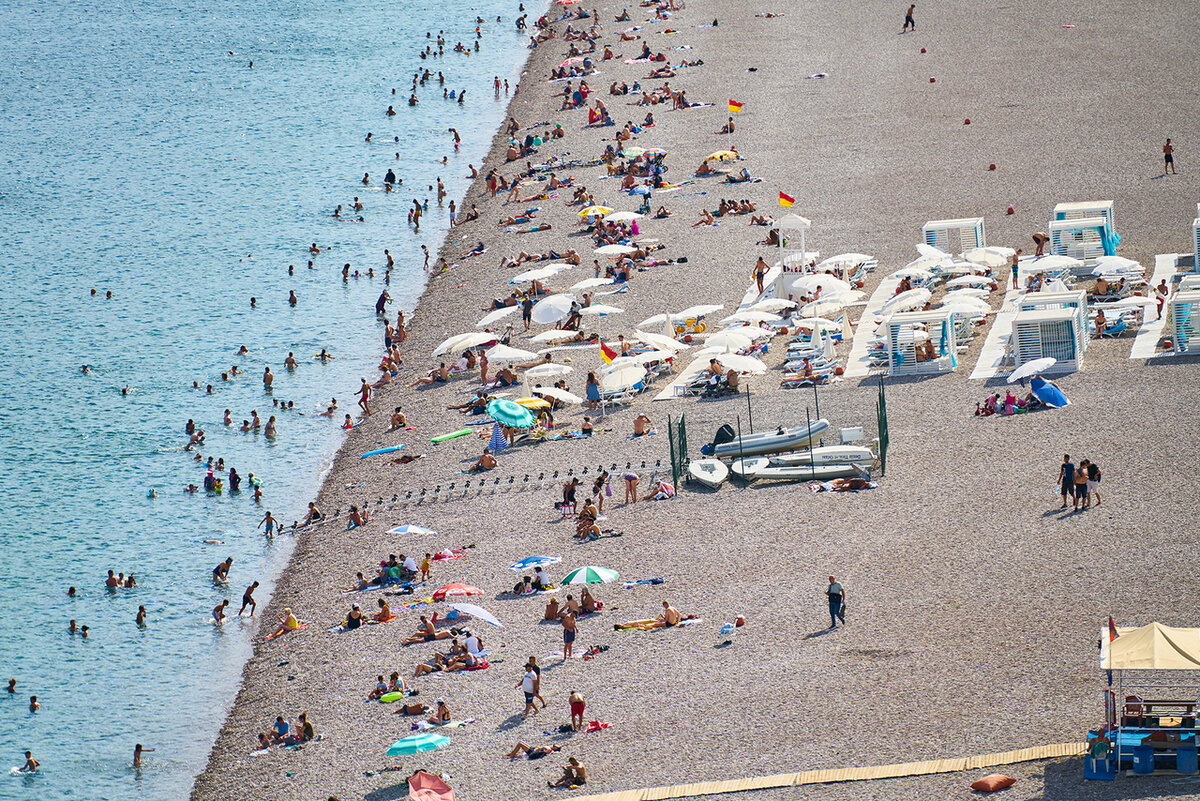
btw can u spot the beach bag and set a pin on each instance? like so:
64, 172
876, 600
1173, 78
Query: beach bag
607, 490
994, 782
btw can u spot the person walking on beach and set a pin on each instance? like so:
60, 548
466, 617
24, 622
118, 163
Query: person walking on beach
1081, 486
248, 600
570, 628
527, 685
760, 270
1169, 157
364, 394
1093, 482
1066, 479
837, 603
1016, 265
908, 19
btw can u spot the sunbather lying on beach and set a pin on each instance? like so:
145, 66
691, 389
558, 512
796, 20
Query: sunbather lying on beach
536, 752
426, 633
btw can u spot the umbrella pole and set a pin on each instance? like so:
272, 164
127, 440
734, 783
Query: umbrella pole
749, 408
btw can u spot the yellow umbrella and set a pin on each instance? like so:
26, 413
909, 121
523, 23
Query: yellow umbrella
722, 155
599, 211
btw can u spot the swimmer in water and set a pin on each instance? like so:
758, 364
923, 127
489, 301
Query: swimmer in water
290, 361
221, 572
31, 765
137, 754
292, 299
248, 598
330, 409
270, 523
349, 423
141, 617
71, 592
324, 355
34, 706
269, 431
85, 369
228, 420
219, 611
72, 628
313, 248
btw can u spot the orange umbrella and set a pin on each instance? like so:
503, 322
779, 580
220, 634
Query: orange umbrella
455, 591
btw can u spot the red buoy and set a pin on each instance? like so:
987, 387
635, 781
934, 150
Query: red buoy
967, 121
991, 168
933, 80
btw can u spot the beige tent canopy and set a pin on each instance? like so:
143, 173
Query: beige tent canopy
1151, 647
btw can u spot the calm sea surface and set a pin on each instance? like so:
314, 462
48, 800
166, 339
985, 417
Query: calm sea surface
138, 156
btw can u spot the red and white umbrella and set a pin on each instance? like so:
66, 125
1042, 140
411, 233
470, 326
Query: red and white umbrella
455, 591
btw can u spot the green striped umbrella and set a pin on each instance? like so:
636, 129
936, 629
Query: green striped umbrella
417, 743
591, 575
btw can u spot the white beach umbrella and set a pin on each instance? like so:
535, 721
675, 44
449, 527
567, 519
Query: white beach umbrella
828, 350
1131, 302
991, 256
1116, 263
622, 216
930, 252
928, 263
974, 305
698, 311
613, 250
965, 268
968, 292
742, 364
818, 324
547, 370
1051, 263
554, 335
752, 331
828, 284
623, 377
751, 317
539, 273
910, 299
661, 341
819, 308
657, 320
1031, 368
557, 394
643, 358
552, 309
463, 342
729, 339
919, 273
844, 260
498, 314
600, 310
503, 353
773, 305
589, 283
968, 280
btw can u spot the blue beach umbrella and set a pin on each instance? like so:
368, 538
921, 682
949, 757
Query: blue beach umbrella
530, 562
418, 743
497, 442
411, 529
510, 413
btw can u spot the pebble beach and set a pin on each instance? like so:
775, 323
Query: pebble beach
973, 603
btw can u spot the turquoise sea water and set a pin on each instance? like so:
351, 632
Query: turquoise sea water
138, 156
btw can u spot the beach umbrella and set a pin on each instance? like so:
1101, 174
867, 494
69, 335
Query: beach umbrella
552, 309
632, 152
530, 562
827, 284
655, 152
455, 590
642, 358
418, 743
968, 280
497, 315
905, 301
828, 350
591, 575
819, 324
497, 442
660, 341
600, 310
698, 311
558, 394
1031, 368
510, 413
588, 283
730, 338
742, 364
410, 529
570, 61
722, 155
595, 211
554, 335
613, 250
844, 260
751, 317
1131, 302
991, 256
919, 273
1052, 263
822, 307
504, 353
539, 274
547, 370
964, 268
424, 786
926, 263
622, 377
658, 319
623, 216
1116, 264
931, 252
773, 305
968, 292
964, 303
477, 612
641, 190
464, 341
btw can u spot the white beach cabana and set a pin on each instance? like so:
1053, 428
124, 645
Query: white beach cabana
1183, 320
955, 236
1075, 300
910, 335
1048, 333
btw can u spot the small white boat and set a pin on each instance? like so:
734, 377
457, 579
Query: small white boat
709, 472
728, 444
830, 454
759, 468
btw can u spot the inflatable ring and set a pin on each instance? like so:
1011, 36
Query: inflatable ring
700, 327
